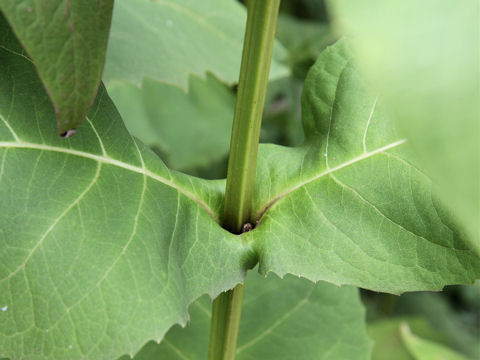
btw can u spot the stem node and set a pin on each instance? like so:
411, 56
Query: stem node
252, 87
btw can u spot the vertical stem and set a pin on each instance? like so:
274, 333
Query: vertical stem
252, 86
226, 313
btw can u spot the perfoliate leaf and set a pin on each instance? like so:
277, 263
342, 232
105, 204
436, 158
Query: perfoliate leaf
428, 71
281, 319
168, 41
67, 41
352, 206
190, 130
102, 248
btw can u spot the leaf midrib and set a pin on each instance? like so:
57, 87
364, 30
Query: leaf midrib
110, 161
143, 171
277, 323
365, 155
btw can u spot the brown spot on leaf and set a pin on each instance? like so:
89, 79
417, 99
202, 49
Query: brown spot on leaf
68, 133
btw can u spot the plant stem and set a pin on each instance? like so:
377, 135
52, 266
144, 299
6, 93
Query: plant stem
257, 53
226, 313
252, 86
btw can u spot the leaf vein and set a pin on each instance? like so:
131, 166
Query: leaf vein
368, 125
359, 158
110, 161
276, 323
56, 221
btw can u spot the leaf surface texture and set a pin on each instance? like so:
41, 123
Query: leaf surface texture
67, 41
282, 319
168, 41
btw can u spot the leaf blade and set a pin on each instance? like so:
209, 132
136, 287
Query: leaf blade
280, 320
422, 349
67, 41
102, 247
145, 30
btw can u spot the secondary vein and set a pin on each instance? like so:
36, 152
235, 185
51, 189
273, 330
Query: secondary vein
326, 172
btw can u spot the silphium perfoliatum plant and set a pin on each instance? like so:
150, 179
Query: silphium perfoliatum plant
103, 248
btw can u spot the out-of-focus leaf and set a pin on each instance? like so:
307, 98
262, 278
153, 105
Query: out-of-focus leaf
422, 349
460, 333
190, 130
387, 340
67, 41
281, 319
470, 294
424, 56
169, 40
304, 40
305, 9
282, 122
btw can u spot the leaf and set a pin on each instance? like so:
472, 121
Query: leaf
169, 40
388, 343
304, 41
427, 350
470, 295
429, 74
281, 123
102, 248
281, 319
460, 329
189, 129
352, 206
67, 41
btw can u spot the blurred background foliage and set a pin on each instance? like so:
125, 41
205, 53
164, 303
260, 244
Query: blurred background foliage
190, 130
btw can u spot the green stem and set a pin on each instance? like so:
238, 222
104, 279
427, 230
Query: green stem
252, 87
226, 313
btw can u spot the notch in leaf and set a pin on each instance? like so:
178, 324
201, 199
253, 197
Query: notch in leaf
67, 41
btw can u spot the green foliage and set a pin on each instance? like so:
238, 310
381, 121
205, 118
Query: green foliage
282, 122
459, 329
394, 340
387, 338
304, 41
103, 248
67, 40
168, 41
189, 130
426, 350
281, 319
